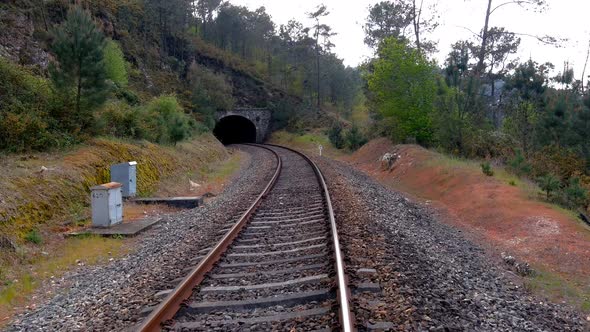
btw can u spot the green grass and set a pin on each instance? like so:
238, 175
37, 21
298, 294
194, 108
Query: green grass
307, 142
34, 236
557, 289
24, 281
222, 171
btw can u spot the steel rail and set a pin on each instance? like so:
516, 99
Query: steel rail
168, 308
345, 315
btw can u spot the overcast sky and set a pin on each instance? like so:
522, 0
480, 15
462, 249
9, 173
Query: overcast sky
565, 18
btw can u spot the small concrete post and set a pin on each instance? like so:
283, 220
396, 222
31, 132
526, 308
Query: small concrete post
321, 148
107, 205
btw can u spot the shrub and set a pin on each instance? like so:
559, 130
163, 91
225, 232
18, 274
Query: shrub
354, 139
27, 111
549, 183
575, 194
166, 117
130, 97
335, 136
160, 121
486, 168
519, 165
209, 89
115, 65
34, 236
24, 131
559, 161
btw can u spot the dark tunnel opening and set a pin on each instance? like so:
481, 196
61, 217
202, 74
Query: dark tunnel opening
235, 129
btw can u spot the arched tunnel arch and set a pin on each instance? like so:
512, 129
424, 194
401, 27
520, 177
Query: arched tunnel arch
235, 129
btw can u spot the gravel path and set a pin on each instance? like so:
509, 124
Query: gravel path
431, 278
110, 297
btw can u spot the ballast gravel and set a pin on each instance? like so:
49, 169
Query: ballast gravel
431, 277
110, 297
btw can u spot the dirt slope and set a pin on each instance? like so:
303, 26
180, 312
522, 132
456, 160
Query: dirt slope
503, 216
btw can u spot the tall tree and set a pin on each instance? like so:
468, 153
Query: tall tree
325, 32
422, 25
485, 32
402, 19
403, 85
387, 19
78, 47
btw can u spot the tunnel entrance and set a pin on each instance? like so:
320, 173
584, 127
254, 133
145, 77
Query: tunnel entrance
235, 129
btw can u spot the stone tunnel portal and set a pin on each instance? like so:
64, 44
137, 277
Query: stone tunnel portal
235, 129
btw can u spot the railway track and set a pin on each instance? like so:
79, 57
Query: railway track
278, 268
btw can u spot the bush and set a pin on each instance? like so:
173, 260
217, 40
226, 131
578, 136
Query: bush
115, 64
209, 89
27, 109
335, 136
34, 236
559, 161
354, 139
549, 183
126, 95
575, 195
519, 165
168, 121
486, 168
160, 121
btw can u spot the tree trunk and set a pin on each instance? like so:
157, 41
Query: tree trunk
317, 48
79, 91
585, 65
484, 40
318, 67
416, 19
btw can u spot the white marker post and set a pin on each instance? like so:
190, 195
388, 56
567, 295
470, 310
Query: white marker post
320, 147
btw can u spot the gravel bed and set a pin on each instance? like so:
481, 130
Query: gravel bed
310, 323
275, 266
262, 278
110, 297
293, 194
432, 278
239, 295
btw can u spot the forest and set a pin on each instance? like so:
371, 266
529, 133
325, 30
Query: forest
157, 70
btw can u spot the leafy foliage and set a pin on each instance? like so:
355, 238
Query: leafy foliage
80, 70
115, 65
354, 138
26, 121
335, 136
403, 85
34, 236
162, 120
210, 92
549, 184
519, 164
575, 194
486, 169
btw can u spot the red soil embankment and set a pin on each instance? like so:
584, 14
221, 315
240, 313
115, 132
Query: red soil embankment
501, 215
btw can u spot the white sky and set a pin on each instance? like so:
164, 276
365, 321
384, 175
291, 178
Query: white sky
565, 18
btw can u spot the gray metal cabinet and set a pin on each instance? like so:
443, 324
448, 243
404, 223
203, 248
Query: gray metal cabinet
107, 204
126, 174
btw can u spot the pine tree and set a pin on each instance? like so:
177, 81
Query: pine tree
78, 46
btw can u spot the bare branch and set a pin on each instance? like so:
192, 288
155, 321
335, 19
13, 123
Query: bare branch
466, 28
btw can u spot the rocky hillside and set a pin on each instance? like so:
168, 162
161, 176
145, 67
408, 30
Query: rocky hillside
156, 68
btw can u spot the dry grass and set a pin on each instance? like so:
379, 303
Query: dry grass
58, 197
49, 203
53, 263
558, 289
307, 142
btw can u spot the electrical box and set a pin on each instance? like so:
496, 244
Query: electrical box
126, 174
107, 204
